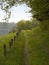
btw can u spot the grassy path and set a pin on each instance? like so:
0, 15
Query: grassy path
25, 49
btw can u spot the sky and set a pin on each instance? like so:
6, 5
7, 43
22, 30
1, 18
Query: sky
17, 13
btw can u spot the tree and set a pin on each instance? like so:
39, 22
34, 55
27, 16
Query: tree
39, 8
21, 25
6, 5
40, 11
28, 25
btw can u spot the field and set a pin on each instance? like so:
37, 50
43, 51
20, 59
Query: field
30, 47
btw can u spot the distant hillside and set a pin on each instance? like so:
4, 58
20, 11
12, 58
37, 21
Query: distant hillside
6, 27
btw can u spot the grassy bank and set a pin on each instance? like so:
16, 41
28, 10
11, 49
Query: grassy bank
38, 47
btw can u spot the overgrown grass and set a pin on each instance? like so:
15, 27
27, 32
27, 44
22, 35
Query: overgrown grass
15, 54
38, 47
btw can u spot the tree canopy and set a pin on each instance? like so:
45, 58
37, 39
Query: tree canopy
39, 8
26, 24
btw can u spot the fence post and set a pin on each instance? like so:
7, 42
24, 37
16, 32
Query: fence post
14, 38
4, 49
11, 42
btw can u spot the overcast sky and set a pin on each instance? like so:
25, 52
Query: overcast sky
18, 13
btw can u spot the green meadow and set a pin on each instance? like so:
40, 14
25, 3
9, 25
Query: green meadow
37, 43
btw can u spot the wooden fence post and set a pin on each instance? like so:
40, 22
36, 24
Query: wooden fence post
4, 49
11, 42
14, 38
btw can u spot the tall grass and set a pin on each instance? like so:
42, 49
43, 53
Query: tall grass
15, 54
38, 47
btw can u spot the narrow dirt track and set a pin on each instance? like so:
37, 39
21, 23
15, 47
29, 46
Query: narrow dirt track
25, 49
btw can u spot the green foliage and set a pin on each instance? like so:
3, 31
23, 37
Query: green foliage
26, 25
40, 9
15, 54
20, 25
38, 46
45, 25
